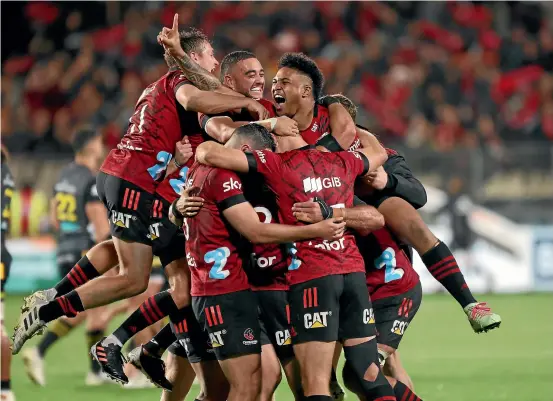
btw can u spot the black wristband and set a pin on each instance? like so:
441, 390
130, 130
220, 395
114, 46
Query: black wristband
328, 100
326, 210
175, 211
329, 142
176, 162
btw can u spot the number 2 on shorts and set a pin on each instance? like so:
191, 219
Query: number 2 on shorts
388, 260
219, 259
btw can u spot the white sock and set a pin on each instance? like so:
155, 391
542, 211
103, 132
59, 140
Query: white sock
111, 339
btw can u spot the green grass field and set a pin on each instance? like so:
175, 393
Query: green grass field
446, 360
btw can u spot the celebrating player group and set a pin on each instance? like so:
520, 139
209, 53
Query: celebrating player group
284, 229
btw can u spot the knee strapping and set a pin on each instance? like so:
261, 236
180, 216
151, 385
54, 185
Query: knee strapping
363, 361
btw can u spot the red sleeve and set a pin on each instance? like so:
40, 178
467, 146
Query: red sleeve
356, 162
225, 188
269, 106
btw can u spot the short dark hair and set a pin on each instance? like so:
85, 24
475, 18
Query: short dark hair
82, 137
231, 59
305, 65
257, 135
192, 40
346, 102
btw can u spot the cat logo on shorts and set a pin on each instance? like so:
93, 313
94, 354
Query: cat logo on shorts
154, 231
368, 316
283, 337
216, 338
399, 327
120, 219
316, 320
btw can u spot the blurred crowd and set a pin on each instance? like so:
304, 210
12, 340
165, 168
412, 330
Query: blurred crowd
429, 74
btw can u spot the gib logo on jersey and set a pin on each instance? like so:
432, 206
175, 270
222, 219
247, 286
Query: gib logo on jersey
154, 231
231, 184
316, 320
311, 184
283, 337
368, 316
216, 338
399, 327
121, 219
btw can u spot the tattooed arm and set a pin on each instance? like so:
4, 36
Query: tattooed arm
200, 78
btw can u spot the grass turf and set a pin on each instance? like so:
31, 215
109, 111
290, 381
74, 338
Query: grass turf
445, 359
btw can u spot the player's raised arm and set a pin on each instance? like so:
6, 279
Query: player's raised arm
361, 217
342, 126
245, 220
216, 155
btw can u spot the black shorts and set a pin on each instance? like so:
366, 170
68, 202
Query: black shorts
274, 319
194, 343
393, 315
167, 240
331, 308
129, 208
232, 322
67, 260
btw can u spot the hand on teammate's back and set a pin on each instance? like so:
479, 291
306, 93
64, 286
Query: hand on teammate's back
257, 110
188, 204
183, 151
285, 126
330, 229
378, 178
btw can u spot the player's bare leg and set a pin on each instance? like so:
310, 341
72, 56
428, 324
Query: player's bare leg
336, 390
244, 376
271, 375
181, 374
293, 377
315, 361
5, 392
393, 368
406, 222
214, 386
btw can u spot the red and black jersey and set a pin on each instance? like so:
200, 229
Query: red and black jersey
389, 271
298, 176
213, 247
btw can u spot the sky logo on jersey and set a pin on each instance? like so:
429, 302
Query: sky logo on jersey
311, 184
231, 184
261, 156
315, 127
216, 338
316, 320
120, 219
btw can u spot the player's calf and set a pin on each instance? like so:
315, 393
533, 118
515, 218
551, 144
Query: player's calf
271, 374
315, 361
244, 376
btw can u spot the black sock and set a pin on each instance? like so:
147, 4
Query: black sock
403, 392
152, 310
442, 265
67, 305
6, 385
60, 328
92, 337
82, 272
161, 341
318, 398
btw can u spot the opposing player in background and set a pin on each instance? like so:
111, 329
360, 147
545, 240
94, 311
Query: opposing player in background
8, 187
126, 184
80, 218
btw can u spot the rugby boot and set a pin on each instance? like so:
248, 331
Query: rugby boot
29, 325
152, 367
42, 297
111, 360
481, 317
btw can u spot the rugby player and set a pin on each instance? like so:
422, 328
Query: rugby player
126, 184
221, 296
8, 187
333, 272
407, 224
79, 216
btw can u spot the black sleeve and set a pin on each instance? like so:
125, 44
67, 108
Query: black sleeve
357, 201
401, 183
232, 201
252, 162
329, 142
91, 193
